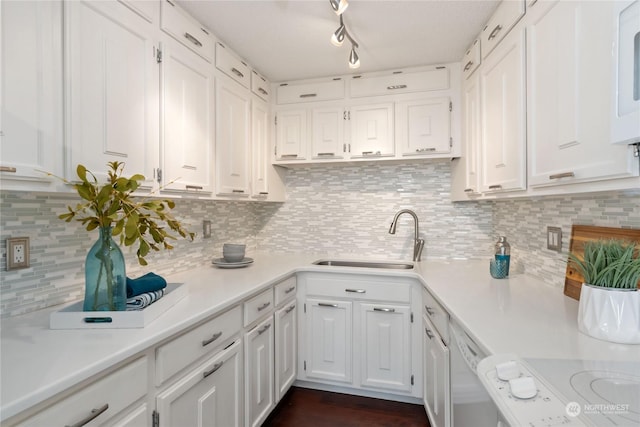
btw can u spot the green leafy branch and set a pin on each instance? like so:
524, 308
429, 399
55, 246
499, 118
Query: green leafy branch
609, 263
113, 205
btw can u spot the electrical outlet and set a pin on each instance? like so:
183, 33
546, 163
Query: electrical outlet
554, 239
17, 253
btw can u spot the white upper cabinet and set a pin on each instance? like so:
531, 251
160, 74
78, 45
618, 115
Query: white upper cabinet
181, 26
322, 90
372, 131
187, 119
260, 86
112, 88
31, 90
504, 18
472, 134
398, 82
567, 114
260, 148
291, 134
471, 59
502, 85
327, 132
233, 67
423, 126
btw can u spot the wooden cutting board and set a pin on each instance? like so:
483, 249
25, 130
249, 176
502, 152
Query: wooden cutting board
580, 234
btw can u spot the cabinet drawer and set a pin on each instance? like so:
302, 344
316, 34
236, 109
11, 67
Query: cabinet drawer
258, 306
309, 92
102, 400
400, 82
181, 26
260, 86
285, 290
504, 18
182, 351
232, 66
436, 314
372, 289
471, 59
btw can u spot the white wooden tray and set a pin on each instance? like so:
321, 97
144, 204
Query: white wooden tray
72, 316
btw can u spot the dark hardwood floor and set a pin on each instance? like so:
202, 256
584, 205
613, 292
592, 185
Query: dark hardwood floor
313, 408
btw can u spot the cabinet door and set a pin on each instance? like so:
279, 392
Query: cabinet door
260, 148
259, 375
472, 133
232, 138
138, 417
328, 340
112, 88
437, 393
372, 131
327, 132
423, 127
286, 348
31, 89
187, 119
291, 134
567, 115
210, 395
385, 346
503, 116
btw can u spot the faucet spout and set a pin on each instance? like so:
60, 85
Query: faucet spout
418, 244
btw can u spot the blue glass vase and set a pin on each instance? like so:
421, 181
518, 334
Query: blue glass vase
105, 276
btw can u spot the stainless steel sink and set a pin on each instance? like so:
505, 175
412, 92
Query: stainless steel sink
366, 264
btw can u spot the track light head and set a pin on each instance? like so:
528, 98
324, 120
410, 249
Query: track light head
338, 37
354, 60
339, 6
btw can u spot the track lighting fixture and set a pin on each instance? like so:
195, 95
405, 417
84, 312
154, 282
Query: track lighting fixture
337, 38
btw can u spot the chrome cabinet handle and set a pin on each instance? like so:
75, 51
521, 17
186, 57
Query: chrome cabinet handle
562, 175
262, 91
212, 339
288, 310
264, 329
192, 39
212, 370
291, 289
495, 32
468, 65
237, 191
495, 187
394, 87
421, 150
308, 95
371, 153
386, 310
430, 311
194, 187
469, 190
429, 333
237, 72
289, 156
8, 169
324, 304
356, 291
326, 154
95, 413
263, 306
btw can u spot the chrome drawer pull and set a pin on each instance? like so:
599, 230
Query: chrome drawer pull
469, 65
262, 91
562, 175
237, 191
95, 413
371, 153
469, 190
421, 150
212, 339
291, 289
495, 32
394, 87
429, 333
8, 169
495, 187
326, 154
237, 72
263, 193
288, 310
308, 95
192, 39
324, 304
264, 329
430, 311
288, 156
356, 291
212, 370
386, 310
263, 306
194, 187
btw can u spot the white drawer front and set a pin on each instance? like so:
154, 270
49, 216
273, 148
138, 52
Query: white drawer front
181, 26
400, 82
232, 66
505, 17
186, 349
260, 86
258, 306
310, 92
371, 289
471, 59
285, 290
436, 314
106, 397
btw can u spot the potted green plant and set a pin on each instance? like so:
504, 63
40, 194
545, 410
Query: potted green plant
609, 299
112, 208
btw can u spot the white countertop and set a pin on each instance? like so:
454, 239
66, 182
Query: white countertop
516, 315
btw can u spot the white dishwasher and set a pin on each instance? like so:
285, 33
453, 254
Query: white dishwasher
471, 403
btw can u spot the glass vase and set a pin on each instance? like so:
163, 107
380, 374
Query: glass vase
105, 276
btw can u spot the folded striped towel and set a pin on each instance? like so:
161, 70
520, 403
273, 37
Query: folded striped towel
144, 300
148, 283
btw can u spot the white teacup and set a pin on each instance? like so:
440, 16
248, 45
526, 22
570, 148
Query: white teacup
233, 252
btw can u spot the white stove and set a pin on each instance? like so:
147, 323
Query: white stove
552, 392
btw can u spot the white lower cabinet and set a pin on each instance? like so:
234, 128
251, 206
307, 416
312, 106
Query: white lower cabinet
209, 395
286, 347
436, 393
259, 373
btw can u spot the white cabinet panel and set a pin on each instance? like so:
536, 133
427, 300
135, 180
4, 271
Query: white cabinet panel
187, 113
372, 130
423, 127
327, 132
259, 373
112, 87
437, 394
286, 351
291, 134
472, 133
260, 148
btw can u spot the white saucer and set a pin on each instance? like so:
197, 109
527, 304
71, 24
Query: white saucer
222, 263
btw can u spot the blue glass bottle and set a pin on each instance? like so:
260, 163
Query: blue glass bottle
105, 276
503, 252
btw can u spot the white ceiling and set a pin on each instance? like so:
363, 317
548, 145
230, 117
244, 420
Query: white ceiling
289, 39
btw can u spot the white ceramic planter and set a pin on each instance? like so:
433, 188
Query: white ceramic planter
610, 314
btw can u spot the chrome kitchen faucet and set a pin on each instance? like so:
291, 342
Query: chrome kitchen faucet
418, 243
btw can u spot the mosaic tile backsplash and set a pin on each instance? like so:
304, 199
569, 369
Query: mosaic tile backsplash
329, 210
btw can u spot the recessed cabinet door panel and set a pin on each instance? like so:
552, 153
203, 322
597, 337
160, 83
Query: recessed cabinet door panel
436, 377
472, 133
112, 78
385, 344
291, 135
260, 148
423, 127
372, 131
286, 348
329, 342
187, 120
503, 107
328, 132
259, 373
